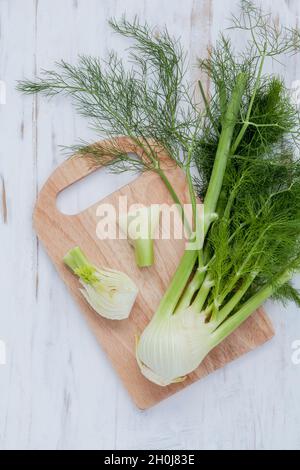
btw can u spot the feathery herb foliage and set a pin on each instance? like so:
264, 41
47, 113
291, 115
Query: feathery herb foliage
258, 235
148, 102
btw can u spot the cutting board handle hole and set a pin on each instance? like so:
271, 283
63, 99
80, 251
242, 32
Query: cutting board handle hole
91, 189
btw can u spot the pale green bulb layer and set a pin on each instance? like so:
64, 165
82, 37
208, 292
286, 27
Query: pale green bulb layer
172, 347
110, 293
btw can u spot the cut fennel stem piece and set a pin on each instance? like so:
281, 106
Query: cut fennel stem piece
139, 226
110, 293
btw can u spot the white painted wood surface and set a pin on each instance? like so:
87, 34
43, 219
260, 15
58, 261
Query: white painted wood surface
57, 389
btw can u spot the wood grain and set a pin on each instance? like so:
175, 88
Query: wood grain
59, 233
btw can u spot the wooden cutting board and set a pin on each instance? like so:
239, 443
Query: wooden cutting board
59, 233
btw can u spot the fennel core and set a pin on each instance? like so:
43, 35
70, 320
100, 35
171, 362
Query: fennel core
244, 145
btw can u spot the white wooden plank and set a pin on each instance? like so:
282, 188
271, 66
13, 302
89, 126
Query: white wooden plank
18, 243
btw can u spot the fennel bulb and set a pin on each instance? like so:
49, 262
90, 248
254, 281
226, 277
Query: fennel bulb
109, 292
172, 347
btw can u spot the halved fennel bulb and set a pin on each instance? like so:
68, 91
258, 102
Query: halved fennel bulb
109, 292
140, 225
173, 346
